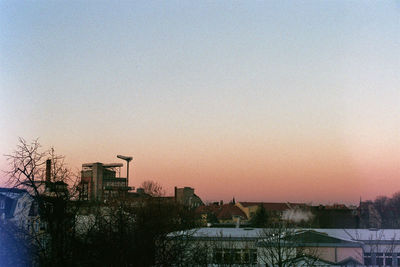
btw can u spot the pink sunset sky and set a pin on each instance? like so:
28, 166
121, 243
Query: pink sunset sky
261, 101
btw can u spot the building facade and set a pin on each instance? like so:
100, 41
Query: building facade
99, 181
298, 247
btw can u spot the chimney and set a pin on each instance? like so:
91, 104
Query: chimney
48, 170
175, 193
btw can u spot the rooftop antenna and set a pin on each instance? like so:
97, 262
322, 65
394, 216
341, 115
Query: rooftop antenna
127, 159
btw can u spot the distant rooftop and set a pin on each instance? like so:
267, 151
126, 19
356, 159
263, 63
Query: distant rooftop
105, 165
344, 234
12, 190
279, 206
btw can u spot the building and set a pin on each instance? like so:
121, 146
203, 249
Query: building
274, 210
99, 181
322, 247
335, 216
15, 206
221, 214
187, 197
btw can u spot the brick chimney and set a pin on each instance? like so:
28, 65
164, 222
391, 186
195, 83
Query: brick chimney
48, 170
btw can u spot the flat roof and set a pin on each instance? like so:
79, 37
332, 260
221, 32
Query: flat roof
369, 235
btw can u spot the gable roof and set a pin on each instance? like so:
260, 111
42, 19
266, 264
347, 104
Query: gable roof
12, 190
222, 212
273, 206
227, 211
314, 237
350, 261
316, 261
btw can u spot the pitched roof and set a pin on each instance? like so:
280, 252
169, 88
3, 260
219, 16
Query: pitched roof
347, 235
222, 212
12, 190
272, 206
227, 211
349, 261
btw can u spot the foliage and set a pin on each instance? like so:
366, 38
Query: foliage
260, 218
134, 234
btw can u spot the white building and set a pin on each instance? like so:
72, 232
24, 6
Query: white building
322, 247
15, 206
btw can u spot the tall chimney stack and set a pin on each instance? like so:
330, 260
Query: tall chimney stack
48, 170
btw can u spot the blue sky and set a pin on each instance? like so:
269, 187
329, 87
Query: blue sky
183, 84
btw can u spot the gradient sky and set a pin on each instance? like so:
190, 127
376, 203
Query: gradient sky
264, 100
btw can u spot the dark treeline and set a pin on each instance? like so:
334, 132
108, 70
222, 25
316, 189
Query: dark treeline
383, 212
64, 230
116, 234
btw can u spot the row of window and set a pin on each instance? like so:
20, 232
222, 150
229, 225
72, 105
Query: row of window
115, 183
235, 256
381, 259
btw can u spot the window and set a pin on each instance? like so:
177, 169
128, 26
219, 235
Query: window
218, 256
253, 256
2, 204
379, 259
85, 191
238, 256
367, 259
246, 258
235, 256
227, 256
388, 259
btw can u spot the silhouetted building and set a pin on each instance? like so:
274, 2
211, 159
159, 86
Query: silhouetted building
335, 216
225, 214
99, 181
274, 210
187, 197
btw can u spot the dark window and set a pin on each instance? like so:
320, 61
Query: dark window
246, 257
227, 256
218, 256
253, 256
388, 259
238, 256
367, 259
379, 259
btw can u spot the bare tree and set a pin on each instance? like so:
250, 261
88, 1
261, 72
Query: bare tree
153, 188
52, 208
282, 246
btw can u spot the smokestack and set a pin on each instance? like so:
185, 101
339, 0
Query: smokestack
48, 170
175, 192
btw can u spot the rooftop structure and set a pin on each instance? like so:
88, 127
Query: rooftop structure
187, 197
99, 181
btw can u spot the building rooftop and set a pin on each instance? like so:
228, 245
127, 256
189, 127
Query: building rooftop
344, 234
272, 206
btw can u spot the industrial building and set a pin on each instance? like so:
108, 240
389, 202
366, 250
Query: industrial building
99, 181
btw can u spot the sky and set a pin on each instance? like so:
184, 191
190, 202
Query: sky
259, 100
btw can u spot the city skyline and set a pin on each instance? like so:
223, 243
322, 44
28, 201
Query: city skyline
261, 101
